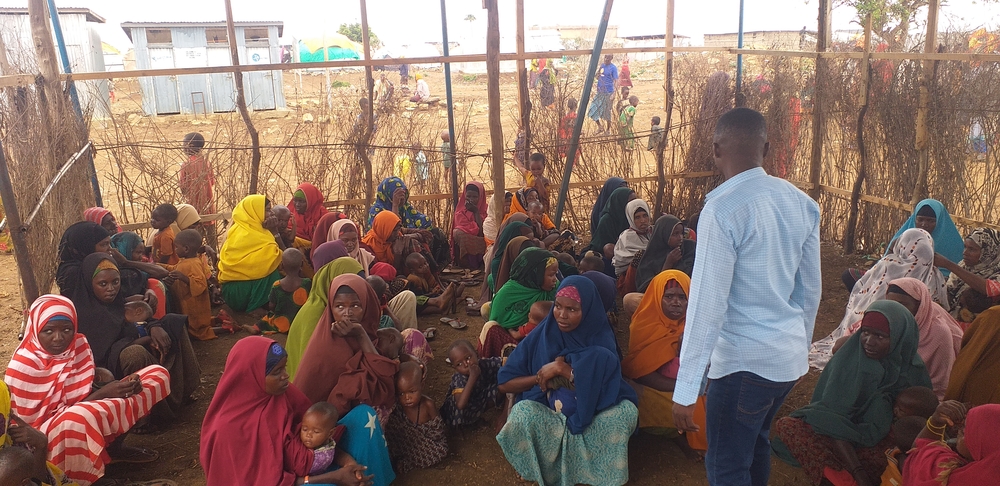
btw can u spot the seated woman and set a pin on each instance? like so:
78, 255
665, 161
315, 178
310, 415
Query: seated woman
912, 256
392, 195
307, 208
668, 249
103, 217
611, 225
574, 412
346, 231
322, 232
978, 273
653, 358
142, 275
975, 457
631, 244
468, 239
385, 238
116, 341
302, 327
249, 259
931, 216
844, 432
974, 376
82, 239
602, 199
22, 438
532, 278
514, 226
255, 416
340, 364
51, 378
940, 336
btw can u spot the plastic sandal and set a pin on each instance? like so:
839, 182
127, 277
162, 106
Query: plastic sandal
454, 323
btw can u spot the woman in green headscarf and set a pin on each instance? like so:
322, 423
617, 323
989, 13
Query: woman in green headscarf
513, 227
305, 320
612, 221
843, 432
532, 279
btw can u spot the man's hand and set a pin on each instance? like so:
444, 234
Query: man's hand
684, 418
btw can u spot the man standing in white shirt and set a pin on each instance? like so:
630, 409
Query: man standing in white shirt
755, 291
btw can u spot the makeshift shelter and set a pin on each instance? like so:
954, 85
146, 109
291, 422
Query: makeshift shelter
331, 47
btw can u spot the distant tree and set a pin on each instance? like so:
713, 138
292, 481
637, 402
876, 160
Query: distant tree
353, 32
470, 18
892, 19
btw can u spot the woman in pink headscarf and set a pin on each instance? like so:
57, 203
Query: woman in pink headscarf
467, 228
102, 217
940, 335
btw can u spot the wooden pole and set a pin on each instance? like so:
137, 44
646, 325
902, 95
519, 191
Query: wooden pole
45, 50
523, 96
923, 106
17, 233
370, 85
493, 96
241, 100
668, 105
818, 119
452, 140
852, 218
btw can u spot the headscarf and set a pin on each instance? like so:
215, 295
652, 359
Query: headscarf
306, 223
244, 421
321, 233
410, 217
335, 370
377, 238
947, 240
975, 376
187, 216
126, 242
631, 241
96, 215
79, 240
464, 220
658, 249
589, 349
250, 252
611, 223
855, 394
937, 464
309, 314
519, 203
510, 254
45, 384
363, 256
606, 287
512, 228
988, 268
602, 198
384, 270
513, 301
328, 252
654, 339
134, 281
940, 336
913, 256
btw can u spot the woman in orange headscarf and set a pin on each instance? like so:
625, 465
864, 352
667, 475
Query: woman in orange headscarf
654, 357
386, 228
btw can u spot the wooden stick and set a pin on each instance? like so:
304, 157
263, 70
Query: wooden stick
668, 44
819, 100
923, 106
852, 217
493, 93
523, 97
241, 100
18, 235
370, 128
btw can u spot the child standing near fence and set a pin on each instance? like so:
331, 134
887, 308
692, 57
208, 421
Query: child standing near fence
196, 179
160, 219
655, 133
625, 121
447, 159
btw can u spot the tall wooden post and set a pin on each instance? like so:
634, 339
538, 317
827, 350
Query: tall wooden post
923, 107
45, 50
370, 85
866, 78
668, 105
241, 99
819, 100
17, 233
523, 97
493, 97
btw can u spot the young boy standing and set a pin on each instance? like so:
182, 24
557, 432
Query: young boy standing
655, 133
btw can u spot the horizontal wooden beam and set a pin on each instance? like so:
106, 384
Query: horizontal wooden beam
208, 217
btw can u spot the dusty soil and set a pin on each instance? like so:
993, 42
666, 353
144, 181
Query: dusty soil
476, 458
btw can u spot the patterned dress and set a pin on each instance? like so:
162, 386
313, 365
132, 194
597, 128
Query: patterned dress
413, 446
484, 395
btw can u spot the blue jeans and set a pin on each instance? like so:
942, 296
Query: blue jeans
739, 409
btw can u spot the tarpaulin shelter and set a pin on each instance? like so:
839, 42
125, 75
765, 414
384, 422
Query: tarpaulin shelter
336, 46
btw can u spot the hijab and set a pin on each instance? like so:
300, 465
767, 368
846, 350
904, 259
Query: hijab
321, 233
607, 288
912, 256
512, 228
947, 240
45, 384
940, 336
602, 198
126, 242
335, 370
938, 465
513, 301
328, 252
975, 376
464, 220
611, 223
988, 268
96, 215
250, 252
134, 281
519, 203
654, 339
377, 238
855, 395
511, 252
187, 216
79, 240
631, 241
589, 349
306, 223
658, 249
244, 422
363, 256
309, 314
410, 217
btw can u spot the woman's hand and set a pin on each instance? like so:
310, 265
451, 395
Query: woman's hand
123, 388
119, 258
559, 367
346, 328
353, 475
673, 257
949, 413
941, 261
161, 341
150, 298
22, 433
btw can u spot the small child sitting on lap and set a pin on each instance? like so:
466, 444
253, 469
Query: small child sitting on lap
189, 282
536, 314
473, 388
163, 240
319, 433
913, 407
431, 298
390, 343
287, 296
137, 313
415, 433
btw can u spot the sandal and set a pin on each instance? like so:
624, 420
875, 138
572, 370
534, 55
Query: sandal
430, 333
454, 323
135, 455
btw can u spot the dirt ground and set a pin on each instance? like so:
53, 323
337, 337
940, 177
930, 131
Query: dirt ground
475, 457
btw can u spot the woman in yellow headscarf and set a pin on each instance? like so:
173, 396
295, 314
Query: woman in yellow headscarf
14, 432
248, 262
653, 358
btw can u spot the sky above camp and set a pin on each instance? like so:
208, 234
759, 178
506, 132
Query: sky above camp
399, 22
